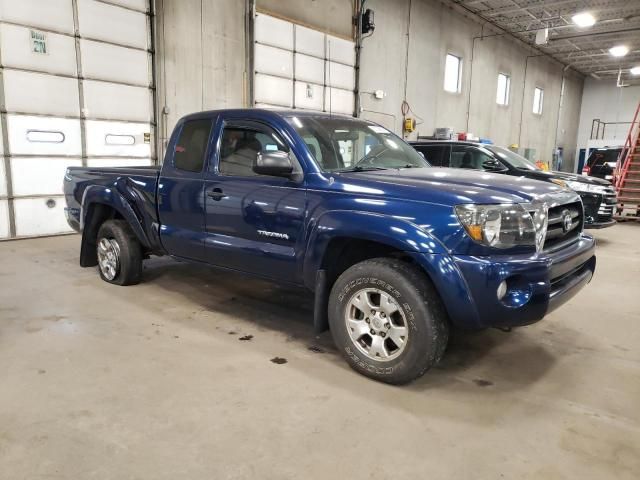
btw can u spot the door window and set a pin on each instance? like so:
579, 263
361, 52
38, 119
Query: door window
240, 147
436, 155
192, 145
471, 158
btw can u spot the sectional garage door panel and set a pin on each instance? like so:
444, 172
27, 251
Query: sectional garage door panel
40, 216
309, 41
273, 31
309, 96
273, 90
119, 162
3, 180
104, 100
55, 15
114, 63
29, 135
40, 93
315, 61
78, 90
4, 219
111, 139
39, 176
110, 23
274, 61
17, 52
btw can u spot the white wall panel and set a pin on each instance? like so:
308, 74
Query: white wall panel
118, 102
273, 61
3, 179
309, 69
16, 48
34, 217
341, 76
101, 21
273, 31
308, 96
110, 62
340, 50
309, 41
268, 106
140, 5
273, 90
117, 139
119, 162
51, 14
25, 134
39, 176
4, 219
339, 101
40, 93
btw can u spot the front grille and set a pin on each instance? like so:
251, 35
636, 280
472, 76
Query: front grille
557, 232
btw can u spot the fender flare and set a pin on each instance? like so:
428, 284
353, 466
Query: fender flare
111, 197
395, 232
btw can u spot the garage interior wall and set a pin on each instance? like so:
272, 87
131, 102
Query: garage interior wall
433, 30
76, 89
602, 99
200, 58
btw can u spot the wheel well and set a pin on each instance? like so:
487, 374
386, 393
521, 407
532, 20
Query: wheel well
97, 214
343, 252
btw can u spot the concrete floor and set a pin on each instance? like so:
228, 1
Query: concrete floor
173, 379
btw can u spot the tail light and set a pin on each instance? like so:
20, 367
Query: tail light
586, 170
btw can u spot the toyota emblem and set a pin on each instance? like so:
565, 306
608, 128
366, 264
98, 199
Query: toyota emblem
567, 221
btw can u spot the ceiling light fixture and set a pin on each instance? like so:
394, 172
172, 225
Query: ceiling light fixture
583, 20
619, 50
635, 70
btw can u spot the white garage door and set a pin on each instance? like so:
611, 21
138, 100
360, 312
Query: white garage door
76, 82
299, 67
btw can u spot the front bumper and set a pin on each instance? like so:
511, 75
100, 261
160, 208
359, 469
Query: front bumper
599, 209
536, 284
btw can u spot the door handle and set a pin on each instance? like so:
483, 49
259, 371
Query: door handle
216, 194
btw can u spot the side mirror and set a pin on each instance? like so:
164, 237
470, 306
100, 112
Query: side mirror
275, 164
493, 166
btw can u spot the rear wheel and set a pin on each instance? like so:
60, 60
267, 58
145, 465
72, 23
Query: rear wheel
387, 320
119, 253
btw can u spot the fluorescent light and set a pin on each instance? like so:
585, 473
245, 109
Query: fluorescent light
635, 70
619, 50
584, 19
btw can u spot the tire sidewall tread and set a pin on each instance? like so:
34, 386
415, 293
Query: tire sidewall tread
130, 257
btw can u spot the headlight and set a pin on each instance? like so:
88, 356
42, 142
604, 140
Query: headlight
505, 226
586, 187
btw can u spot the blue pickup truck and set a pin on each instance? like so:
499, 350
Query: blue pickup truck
395, 252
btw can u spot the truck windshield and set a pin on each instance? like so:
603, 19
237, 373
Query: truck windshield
512, 158
341, 145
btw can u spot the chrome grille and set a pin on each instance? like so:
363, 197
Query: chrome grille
559, 232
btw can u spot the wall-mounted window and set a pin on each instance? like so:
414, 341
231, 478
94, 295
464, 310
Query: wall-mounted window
452, 74
111, 139
45, 136
504, 88
538, 99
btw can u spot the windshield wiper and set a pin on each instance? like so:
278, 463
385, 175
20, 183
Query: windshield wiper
358, 168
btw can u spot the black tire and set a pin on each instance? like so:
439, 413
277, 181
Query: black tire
416, 298
129, 271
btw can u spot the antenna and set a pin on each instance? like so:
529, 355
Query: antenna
329, 75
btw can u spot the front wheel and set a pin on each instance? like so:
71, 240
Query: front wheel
119, 253
387, 320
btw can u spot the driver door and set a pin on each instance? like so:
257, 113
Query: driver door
253, 223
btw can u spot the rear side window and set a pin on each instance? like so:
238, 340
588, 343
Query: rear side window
469, 157
192, 145
436, 155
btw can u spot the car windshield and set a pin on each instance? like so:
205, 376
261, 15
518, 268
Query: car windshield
513, 159
342, 144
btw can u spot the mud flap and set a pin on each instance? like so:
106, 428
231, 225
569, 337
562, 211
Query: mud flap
320, 316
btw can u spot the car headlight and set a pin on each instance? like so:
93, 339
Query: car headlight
505, 226
586, 187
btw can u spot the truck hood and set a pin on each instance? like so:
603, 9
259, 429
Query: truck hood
567, 177
445, 186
